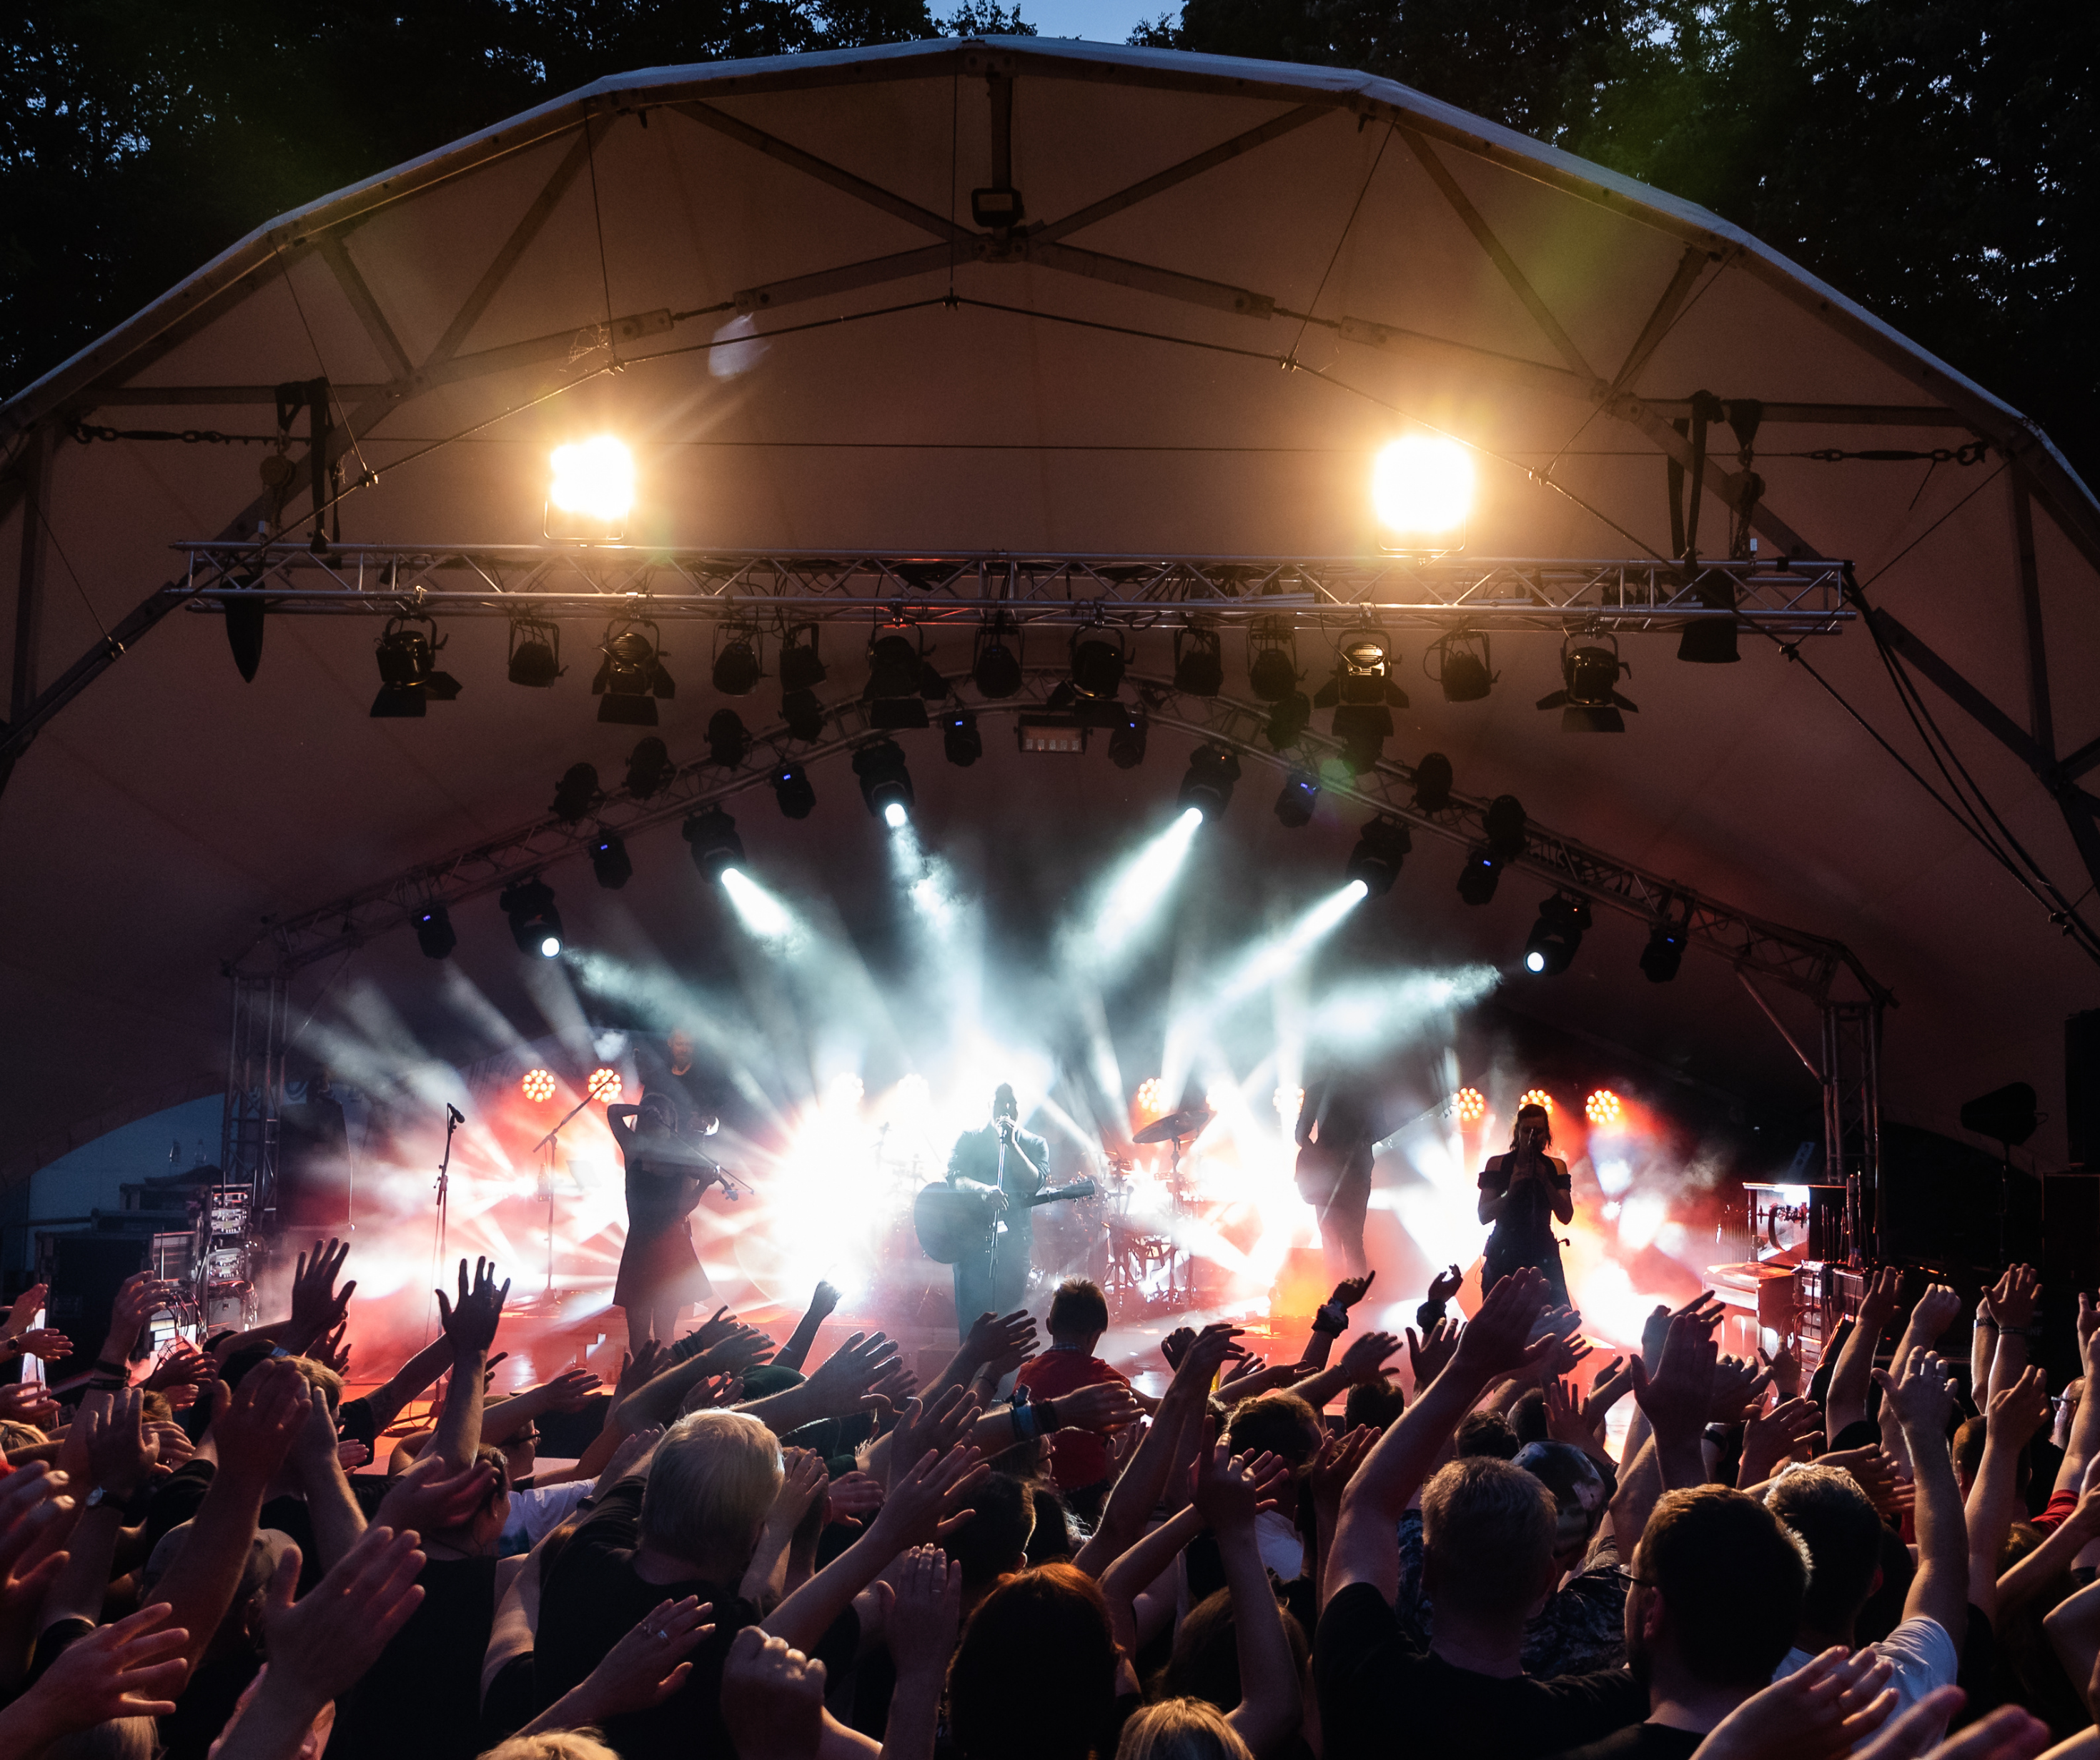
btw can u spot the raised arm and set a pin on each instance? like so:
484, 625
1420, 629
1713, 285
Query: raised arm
1227, 1499
1847, 1403
796, 1350
1923, 1396
407, 1382
338, 1519
2016, 1413
838, 1388
991, 1338
570, 1391
471, 1327
2084, 1439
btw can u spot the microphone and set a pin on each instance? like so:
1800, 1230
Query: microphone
453, 1115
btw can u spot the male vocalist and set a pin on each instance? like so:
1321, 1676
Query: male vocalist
1523, 1193
1008, 1165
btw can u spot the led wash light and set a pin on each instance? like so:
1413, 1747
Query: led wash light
1421, 491
591, 492
1471, 1105
538, 1086
1602, 1109
604, 1086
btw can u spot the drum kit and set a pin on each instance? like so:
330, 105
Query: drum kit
1146, 1267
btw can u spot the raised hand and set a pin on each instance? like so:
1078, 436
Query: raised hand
1106, 1406
938, 1425
924, 1611
1249, 1375
139, 1298
992, 1336
1679, 1396
1736, 1384
131, 1669
772, 1699
1499, 1341
647, 1668
1428, 1355
316, 1304
640, 1366
1228, 1494
1775, 1436
1351, 1291
1784, 1369
1176, 1345
2019, 1411
1336, 1464
27, 1402
1567, 1420
1445, 1284
181, 1365
925, 1501
1655, 1331
256, 1429
1937, 1309
122, 1458
842, 1381
323, 1644
823, 1300
852, 1496
47, 1343
427, 1500
31, 1498
739, 1349
1883, 1291
471, 1324
1206, 1354
1922, 1394
711, 1391
1611, 1384
1816, 1712
1365, 1358
802, 1482
572, 1390
331, 1349
715, 1327
27, 1306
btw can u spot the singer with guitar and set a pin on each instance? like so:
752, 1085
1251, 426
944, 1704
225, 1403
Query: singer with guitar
1006, 1167
660, 1272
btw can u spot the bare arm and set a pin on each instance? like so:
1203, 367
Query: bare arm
338, 1521
797, 1350
408, 1381
2085, 1442
471, 1328
2052, 1557
2016, 1413
1137, 1493
1924, 1399
1847, 1403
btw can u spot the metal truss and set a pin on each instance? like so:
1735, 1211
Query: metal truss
1450, 592
1807, 963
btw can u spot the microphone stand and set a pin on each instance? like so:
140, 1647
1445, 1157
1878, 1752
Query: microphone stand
454, 1118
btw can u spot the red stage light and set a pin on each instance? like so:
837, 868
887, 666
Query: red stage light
1151, 1098
1472, 1105
604, 1084
538, 1085
1603, 1108
1537, 1096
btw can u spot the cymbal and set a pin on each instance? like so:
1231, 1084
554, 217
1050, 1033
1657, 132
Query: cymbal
1188, 1123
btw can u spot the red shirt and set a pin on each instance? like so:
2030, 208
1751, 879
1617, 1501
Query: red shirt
2060, 1504
1078, 1457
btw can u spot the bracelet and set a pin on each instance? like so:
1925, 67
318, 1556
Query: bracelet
107, 1367
1331, 1320
1024, 1423
1046, 1417
2019, 1331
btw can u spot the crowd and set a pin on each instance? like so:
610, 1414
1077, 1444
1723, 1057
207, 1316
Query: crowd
212, 1554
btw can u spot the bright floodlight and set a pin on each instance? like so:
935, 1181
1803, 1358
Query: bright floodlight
895, 817
1421, 489
594, 477
758, 910
1535, 961
549, 946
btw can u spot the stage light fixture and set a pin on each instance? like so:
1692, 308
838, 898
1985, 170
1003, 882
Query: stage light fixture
1288, 720
1199, 668
604, 1085
434, 931
792, 788
538, 1086
960, 738
1555, 937
1208, 786
729, 740
245, 625
1127, 741
576, 793
1362, 672
1293, 806
609, 860
996, 665
804, 714
1432, 783
737, 667
1664, 953
1478, 878
1588, 702
885, 783
1504, 822
536, 926
1099, 658
1711, 641
1463, 667
1602, 1109
801, 667
409, 679
631, 676
1537, 1096
535, 652
1471, 1105
1272, 660
591, 492
1363, 729
650, 770
893, 665
1381, 848
1421, 491
711, 833
1151, 1097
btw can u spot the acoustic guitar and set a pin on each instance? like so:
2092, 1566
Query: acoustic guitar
954, 1224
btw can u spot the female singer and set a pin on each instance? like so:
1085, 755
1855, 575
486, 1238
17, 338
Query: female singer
1523, 1193
660, 1272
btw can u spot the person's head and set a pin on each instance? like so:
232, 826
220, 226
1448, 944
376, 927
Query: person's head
1004, 1105
553, 1744
1486, 1434
711, 1482
994, 1543
1487, 1542
1535, 1128
680, 1045
1717, 1590
1206, 1661
1278, 1424
1578, 1496
1079, 1312
997, 1708
1376, 1404
130, 1738
656, 1115
240, 1628
1826, 1507
14, 1437
520, 1451
1527, 1418
1969, 1453
1181, 1729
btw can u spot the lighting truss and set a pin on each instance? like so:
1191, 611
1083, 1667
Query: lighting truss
1558, 597
1807, 963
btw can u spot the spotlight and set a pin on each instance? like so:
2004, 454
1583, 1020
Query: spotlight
1099, 656
729, 742
1362, 729
1471, 1105
893, 667
1422, 490
631, 676
1151, 1097
1127, 742
737, 670
1272, 660
885, 784
535, 652
1433, 782
1362, 672
1208, 786
716, 846
1478, 878
1199, 669
801, 669
1504, 823
538, 1086
1711, 641
792, 788
1588, 703
434, 931
408, 680
536, 926
1555, 937
960, 737
604, 1085
591, 493
649, 768
576, 793
1462, 663
1287, 721
1602, 1109
1293, 806
804, 714
609, 861
1537, 1096
1380, 850
1664, 953
996, 665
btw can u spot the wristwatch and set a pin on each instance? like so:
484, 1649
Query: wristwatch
1331, 1318
99, 1495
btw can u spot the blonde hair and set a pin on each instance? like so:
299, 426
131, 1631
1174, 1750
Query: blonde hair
711, 1481
125, 1738
321, 1379
553, 1744
1181, 1729
15, 1435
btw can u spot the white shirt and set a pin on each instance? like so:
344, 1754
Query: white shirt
1921, 1650
537, 1511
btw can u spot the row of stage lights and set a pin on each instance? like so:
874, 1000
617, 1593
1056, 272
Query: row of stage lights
1421, 493
1602, 1108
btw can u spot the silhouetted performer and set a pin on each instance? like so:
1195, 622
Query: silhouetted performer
1337, 1124
660, 1272
1523, 1193
1008, 1165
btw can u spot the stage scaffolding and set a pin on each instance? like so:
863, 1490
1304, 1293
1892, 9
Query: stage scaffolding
238, 1212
